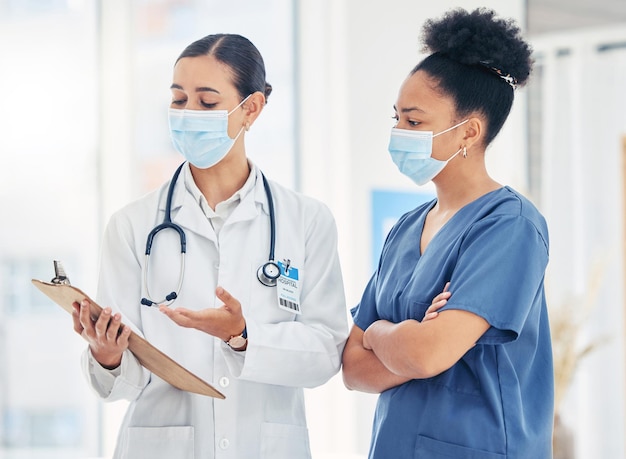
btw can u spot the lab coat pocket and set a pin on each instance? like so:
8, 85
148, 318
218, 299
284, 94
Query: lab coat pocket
284, 441
159, 442
436, 449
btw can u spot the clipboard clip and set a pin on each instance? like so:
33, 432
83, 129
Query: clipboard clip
59, 274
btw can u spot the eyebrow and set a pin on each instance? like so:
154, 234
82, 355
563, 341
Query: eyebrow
199, 89
409, 109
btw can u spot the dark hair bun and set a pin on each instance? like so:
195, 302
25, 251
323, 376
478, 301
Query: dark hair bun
478, 38
268, 90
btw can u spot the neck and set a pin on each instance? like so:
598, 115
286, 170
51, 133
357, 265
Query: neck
220, 182
463, 184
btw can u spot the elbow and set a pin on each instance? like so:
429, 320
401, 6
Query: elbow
353, 382
346, 374
353, 375
349, 380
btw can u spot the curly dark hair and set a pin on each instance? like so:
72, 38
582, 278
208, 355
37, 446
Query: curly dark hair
470, 54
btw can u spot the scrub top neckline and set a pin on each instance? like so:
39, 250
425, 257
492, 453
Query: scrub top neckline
433, 203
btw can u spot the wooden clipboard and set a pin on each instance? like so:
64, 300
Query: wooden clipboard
148, 355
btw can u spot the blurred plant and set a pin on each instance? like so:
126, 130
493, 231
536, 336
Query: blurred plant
568, 321
567, 324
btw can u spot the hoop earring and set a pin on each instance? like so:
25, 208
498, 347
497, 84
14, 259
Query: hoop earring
247, 126
464, 152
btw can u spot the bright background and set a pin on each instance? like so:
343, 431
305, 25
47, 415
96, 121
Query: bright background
83, 130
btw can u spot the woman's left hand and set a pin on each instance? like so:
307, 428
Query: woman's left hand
222, 322
438, 302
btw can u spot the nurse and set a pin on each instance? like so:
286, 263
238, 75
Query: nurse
468, 375
225, 326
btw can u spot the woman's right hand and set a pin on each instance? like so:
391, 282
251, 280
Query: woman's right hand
106, 337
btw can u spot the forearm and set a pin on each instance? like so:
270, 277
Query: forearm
401, 348
288, 353
363, 371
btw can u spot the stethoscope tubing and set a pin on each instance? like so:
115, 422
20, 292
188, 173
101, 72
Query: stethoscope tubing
267, 274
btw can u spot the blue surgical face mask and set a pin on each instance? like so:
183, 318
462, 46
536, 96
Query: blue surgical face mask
201, 136
411, 151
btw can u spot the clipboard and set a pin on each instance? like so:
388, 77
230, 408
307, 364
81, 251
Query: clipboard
148, 355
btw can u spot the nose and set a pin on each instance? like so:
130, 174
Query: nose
192, 105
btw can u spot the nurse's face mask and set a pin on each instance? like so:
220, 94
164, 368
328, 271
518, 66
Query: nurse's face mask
411, 151
201, 136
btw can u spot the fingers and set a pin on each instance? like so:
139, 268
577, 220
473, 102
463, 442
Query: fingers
106, 331
124, 335
442, 296
433, 310
107, 337
430, 315
102, 323
438, 302
114, 328
78, 328
229, 301
84, 319
181, 316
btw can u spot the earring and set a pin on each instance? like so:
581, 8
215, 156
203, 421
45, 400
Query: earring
464, 152
247, 126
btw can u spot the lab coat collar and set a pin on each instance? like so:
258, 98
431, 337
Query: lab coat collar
187, 213
254, 201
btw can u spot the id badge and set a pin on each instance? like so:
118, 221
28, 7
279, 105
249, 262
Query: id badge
288, 288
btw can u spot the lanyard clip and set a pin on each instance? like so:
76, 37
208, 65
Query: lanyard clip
287, 264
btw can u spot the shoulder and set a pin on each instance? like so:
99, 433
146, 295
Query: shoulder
138, 211
298, 203
506, 209
518, 205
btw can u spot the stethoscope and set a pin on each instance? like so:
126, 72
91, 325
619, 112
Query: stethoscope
268, 273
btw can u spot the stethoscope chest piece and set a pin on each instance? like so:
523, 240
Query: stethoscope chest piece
268, 274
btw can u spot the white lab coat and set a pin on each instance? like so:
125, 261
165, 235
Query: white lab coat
263, 415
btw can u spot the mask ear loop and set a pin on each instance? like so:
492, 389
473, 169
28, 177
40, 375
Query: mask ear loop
240, 104
450, 128
246, 126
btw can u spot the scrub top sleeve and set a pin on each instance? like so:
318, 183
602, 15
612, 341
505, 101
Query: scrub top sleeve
499, 274
365, 313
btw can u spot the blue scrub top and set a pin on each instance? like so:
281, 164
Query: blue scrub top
497, 401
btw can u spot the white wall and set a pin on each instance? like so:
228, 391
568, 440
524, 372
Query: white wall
353, 57
49, 200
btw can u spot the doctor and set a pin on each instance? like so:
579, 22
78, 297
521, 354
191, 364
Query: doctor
215, 314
